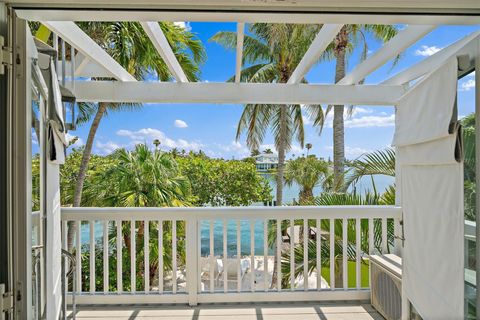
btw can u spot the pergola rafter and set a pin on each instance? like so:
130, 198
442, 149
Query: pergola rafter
462, 46
239, 55
403, 40
156, 35
75, 36
324, 37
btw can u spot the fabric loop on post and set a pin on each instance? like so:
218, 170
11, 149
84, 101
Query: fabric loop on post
424, 113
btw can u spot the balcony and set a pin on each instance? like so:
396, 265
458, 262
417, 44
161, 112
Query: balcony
205, 256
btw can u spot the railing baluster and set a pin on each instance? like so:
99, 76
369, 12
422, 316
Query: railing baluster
212, 259
344, 255
105, 257
370, 243
92, 256
133, 257
78, 253
174, 256
265, 254
279, 255
252, 255
358, 232
332, 254
225, 267
319, 256
239, 254
146, 245
305, 254
119, 257
160, 256
64, 234
384, 236
199, 257
292, 254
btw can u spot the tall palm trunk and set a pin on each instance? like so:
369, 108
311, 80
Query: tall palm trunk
280, 174
341, 42
281, 153
82, 172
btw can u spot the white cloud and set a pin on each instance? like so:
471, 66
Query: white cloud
355, 152
361, 110
180, 124
295, 149
371, 121
106, 148
467, 85
306, 120
235, 147
426, 51
147, 135
184, 25
367, 120
77, 143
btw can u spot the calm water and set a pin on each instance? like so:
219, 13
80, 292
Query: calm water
289, 194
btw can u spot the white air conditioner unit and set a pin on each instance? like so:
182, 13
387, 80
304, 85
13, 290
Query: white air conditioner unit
386, 285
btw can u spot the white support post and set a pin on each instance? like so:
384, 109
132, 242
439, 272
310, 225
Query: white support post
324, 37
477, 163
146, 259
239, 56
192, 260
160, 42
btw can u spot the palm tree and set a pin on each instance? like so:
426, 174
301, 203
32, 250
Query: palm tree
141, 178
380, 162
307, 173
308, 146
346, 40
273, 51
129, 45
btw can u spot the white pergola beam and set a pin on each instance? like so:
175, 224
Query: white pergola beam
235, 93
467, 45
324, 37
247, 17
156, 35
392, 48
75, 36
239, 55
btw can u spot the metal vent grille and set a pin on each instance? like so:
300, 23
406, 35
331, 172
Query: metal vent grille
386, 293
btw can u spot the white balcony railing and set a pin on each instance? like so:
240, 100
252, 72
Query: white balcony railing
206, 255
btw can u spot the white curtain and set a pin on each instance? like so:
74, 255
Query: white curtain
428, 146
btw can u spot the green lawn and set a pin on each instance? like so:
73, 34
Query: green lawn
352, 274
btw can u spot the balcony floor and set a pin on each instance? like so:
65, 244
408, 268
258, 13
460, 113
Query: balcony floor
266, 311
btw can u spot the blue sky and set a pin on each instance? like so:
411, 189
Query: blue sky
212, 128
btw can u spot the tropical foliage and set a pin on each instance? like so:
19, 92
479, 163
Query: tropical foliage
217, 182
308, 173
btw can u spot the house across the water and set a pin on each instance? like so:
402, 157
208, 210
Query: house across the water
266, 162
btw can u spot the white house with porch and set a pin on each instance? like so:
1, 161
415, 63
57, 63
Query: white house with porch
414, 251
